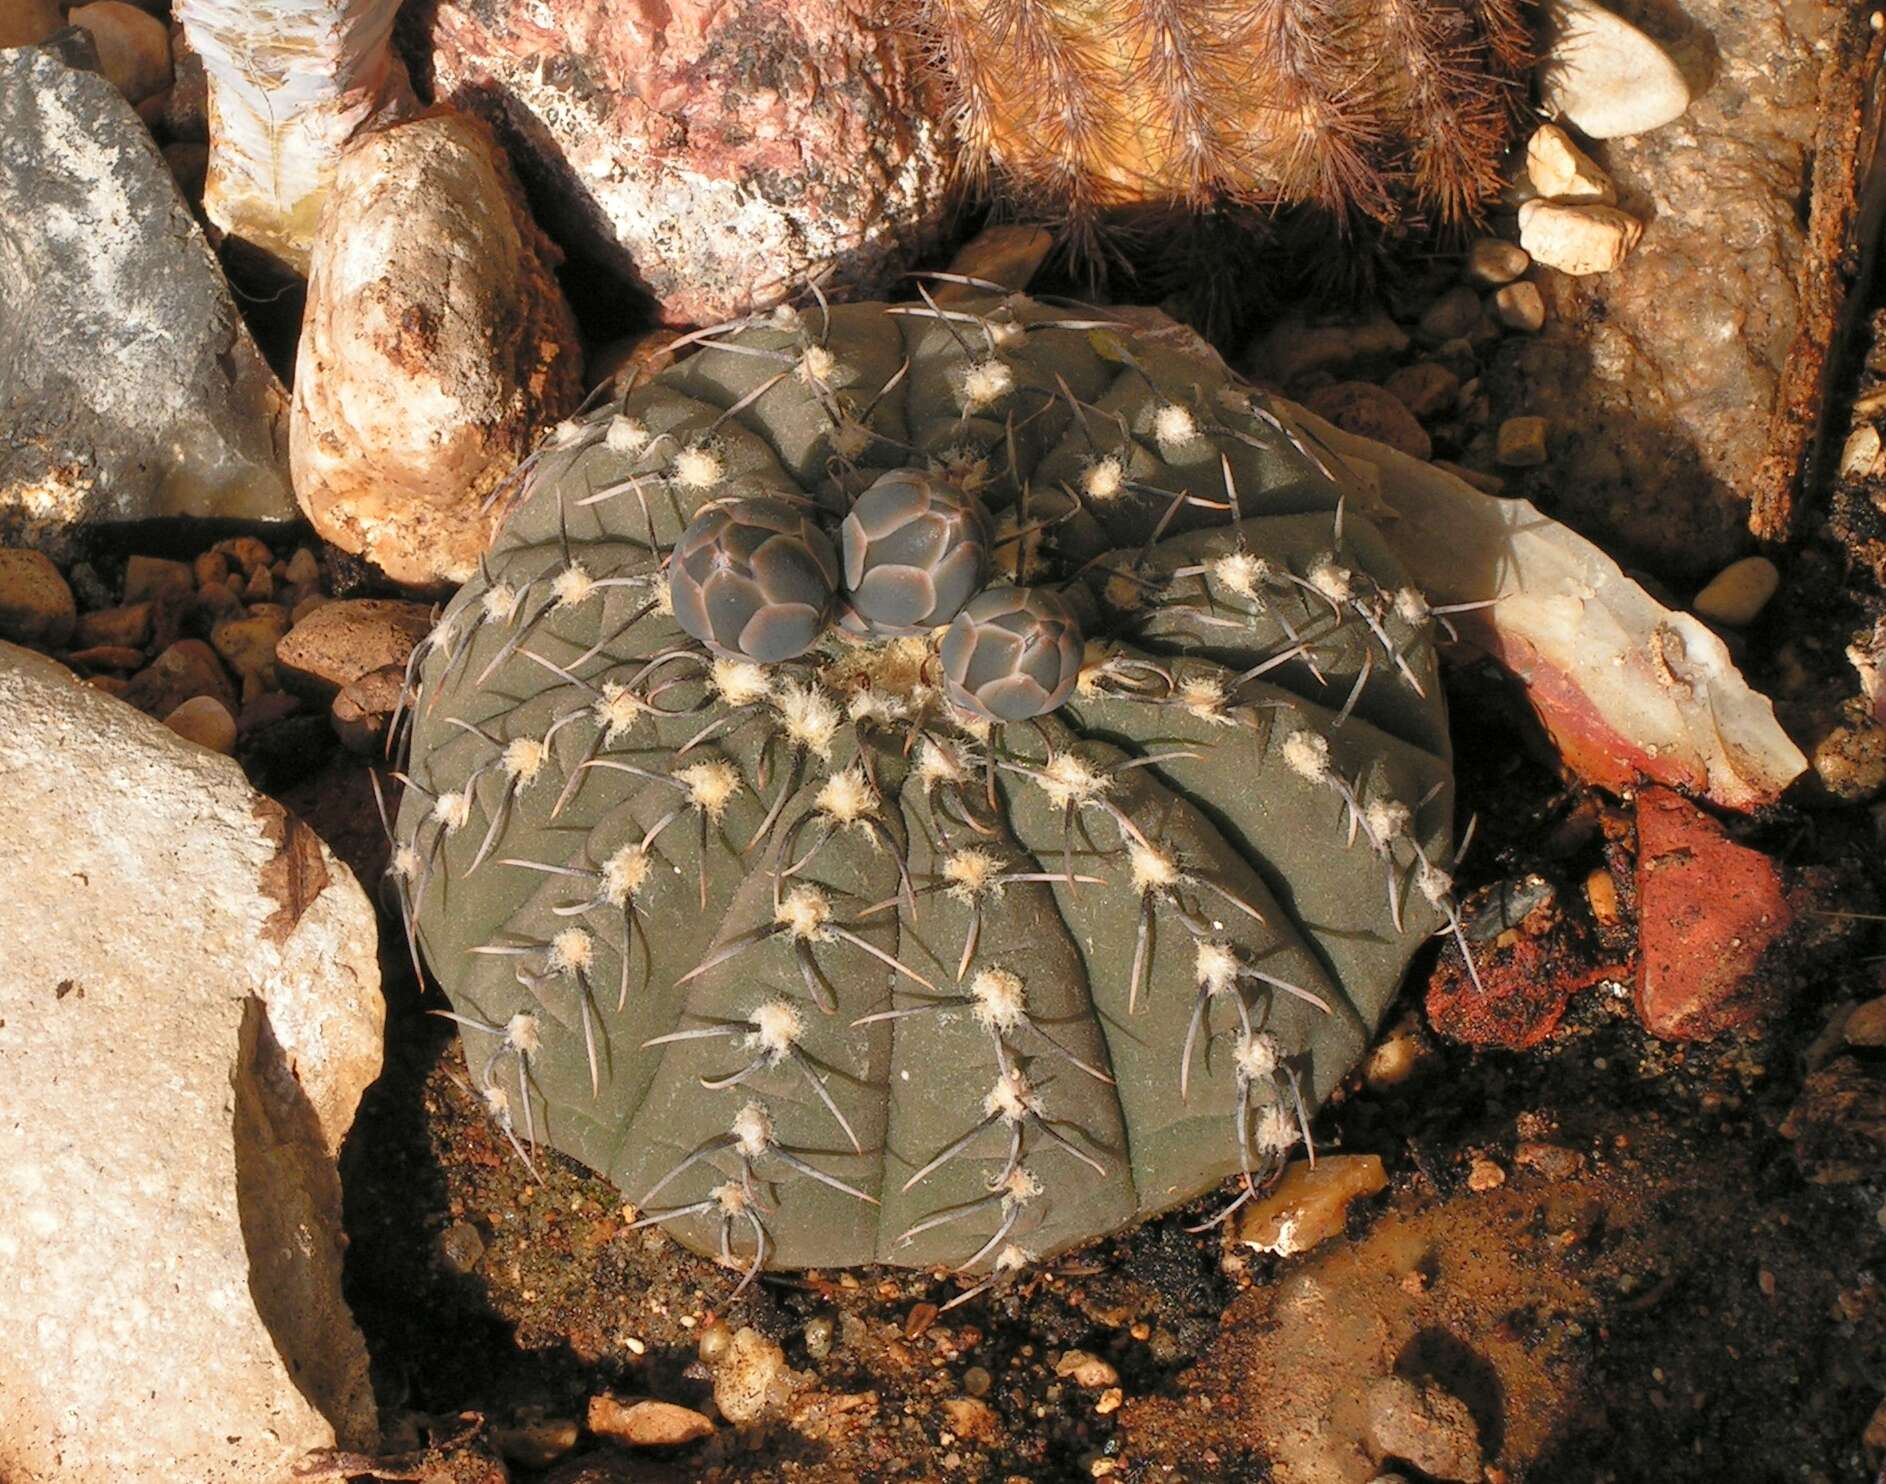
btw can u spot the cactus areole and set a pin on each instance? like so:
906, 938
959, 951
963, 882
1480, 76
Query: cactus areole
1056, 889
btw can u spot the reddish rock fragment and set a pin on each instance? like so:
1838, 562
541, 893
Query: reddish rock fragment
1712, 915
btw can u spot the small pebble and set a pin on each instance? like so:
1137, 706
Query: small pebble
1561, 171
36, 605
1110, 1401
1866, 1026
535, 1442
187, 668
1602, 892
1087, 1370
1579, 240
128, 625
1554, 1161
1426, 1425
1424, 388
205, 721
752, 1380
1492, 261
1520, 443
715, 1341
1851, 761
818, 1337
977, 1381
156, 577
1452, 315
245, 552
1309, 1206
133, 48
302, 569
646, 1424
971, 1419
1604, 75
1737, 594
461, 1247
1369, 411
91, 590
1859, 457
248, 645
1520, 306
210, 566
1485, 1175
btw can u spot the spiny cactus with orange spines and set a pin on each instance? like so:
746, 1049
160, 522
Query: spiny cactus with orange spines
844, 913
1366, 109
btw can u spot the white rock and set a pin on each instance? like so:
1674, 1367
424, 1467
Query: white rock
1578, 239
1739, 592
1604, 75
189, 1013
1561, 171
1860, 455
1492, 261
1521, 306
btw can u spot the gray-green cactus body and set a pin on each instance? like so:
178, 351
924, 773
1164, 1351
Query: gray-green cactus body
821, 970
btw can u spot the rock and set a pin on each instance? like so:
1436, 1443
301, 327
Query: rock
133, 46
1485, 1175
718, 153
205, 721
129, 386
1294, 346
181, 1067
647, 1424
156, 577
972, 1420
1309, 1205
1851, 761
248, 644
1520, 306
1579, 240
36, 606
187, 668
1086, 1370
275, 147
1866, 1026
751, 1378
1713, 919
363, 710
245, 554
1009, 254
1860, 454
1425, 1425
1424, 388
1451, 316
1737, 594
436, 344
1362, 408
28, 22
535, 1441
1605, 75
1561, 171
461, 1246
128, 625
344, 639
1521, 443
1492, 261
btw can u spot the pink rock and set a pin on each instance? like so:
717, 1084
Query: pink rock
720, 153
436, 345
1712, 915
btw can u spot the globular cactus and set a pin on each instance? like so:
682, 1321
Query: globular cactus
822, 968
1364, 108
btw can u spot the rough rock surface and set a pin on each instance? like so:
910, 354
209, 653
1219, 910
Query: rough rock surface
436, 344
1663, 372
129, 386
719, 153
189, 1012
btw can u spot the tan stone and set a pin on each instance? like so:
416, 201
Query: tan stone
205, 721
1362, 408
191, 1003
435, 346
1492, 261
752, 1381
1561, 171
128, 625
36, 605
1520, 306
28, 22
187, 668
972, 1420
133, 47
646, 1424
249, 643
1737, 594
1866, 1026
155, 577
342, 640
1578, 240
1309, 1205
1521, 442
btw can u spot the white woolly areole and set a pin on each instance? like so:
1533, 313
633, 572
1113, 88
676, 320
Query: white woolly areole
1018, 1187
524, 758
1240, 572
664, 599
817, 365
1216, 967
1307, 754
406, 863
1000, 1005
524, 1034
572, 585
497, 1103
1274, 1130
500, 602
1174, 427
937, 763
1411, 606
847, 796
617, 709
804, 912
752, 1129
1069, 779
452, 810
1258, 1055
777, 1026
624, 873
809, 716
849, 437
972, 872
1204, 697
985, 382
1386, 820
1153, 869
626, 435
1012, 1258
566, 432
731, 1199
1104, 479
785, 317
1435, 884
873, 705
698, 467
1011, 1098
1006, 334
1337, 583
710, 785
739, 682
572, 951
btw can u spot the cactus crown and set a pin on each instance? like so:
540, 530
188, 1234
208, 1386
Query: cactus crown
824, 960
